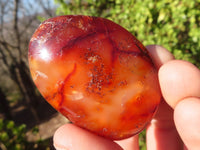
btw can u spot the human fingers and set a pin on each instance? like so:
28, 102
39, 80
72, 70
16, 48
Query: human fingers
71, 137
131, 143
186, 116
180, 84
178, 80
159, 55
162, 125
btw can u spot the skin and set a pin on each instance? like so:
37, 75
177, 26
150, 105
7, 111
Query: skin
176, 124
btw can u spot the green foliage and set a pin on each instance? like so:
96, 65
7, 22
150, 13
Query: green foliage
174, 24
142, 140
41, 19
85, 7
12, 137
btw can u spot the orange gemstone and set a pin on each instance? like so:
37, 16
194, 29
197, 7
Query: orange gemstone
95, 73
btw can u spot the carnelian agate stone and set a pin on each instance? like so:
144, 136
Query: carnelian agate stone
95, 73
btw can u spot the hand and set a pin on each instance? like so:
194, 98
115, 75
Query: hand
177, 118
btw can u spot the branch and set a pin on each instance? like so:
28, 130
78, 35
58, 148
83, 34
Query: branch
27, 25
46, 9
4, 58
2, 13
2, 146
9, 52
15, 26
6, 43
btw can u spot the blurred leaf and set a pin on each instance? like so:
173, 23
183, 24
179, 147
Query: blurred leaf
41, 19
10, 125
4, 136
35, 130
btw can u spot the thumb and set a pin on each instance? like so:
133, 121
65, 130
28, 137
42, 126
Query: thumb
72, 137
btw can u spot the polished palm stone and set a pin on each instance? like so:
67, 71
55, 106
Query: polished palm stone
95, 73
